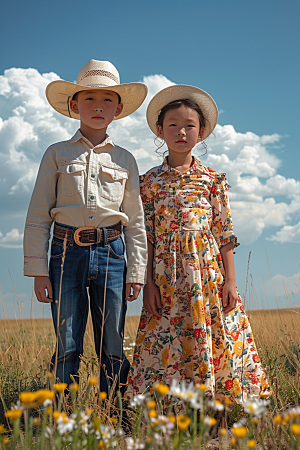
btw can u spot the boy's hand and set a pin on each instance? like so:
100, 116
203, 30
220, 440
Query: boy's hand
136, 287
151, 299
40, 286
229, 296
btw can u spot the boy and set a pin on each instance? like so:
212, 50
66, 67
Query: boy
89, 188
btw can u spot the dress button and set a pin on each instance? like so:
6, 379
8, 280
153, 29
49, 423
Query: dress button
91, 217
92, 197
94, 151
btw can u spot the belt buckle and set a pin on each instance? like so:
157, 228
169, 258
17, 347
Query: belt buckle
77, 236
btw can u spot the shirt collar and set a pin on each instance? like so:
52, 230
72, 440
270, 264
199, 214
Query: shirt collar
166, 168
78, 135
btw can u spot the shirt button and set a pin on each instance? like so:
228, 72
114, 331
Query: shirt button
91, 217
94, 151
93, 175
92, 197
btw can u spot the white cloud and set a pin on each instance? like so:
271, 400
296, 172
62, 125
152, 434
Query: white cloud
289, 233
28, 125
12, 239
284, 286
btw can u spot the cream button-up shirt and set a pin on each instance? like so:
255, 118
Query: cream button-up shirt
82, 185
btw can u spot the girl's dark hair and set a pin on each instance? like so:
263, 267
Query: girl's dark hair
177, 104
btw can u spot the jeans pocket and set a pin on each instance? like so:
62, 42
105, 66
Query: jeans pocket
117, 248
57, 249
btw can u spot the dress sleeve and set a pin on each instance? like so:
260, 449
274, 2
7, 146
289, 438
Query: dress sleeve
148, 204
222, 228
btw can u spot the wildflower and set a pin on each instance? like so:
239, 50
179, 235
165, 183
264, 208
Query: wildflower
74, 387
277, 419
222, 432
265, 394
201, 387
103, 395
181, 391
2, 429
93, 381
83, 422
5, 440
286, 419
152, 413
113, 420
232, 441
136, 444
36, 421
137, 400
48, 432
14, 414
60, 387
56, 415
216, 405
158, 439
89, 411
151, 404
210, 421
28, 399
65, 424
294, 413
100, 446
255, 407
239, 432
251, 443
183, 422
49, 375
162, 388
42, 395
49, 410
295, 427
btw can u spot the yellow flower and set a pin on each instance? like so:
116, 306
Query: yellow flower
239, 432
27, 398
222, 432
286, 420
232, 441
73, 387
49, 375
56, 415
277, 419
36, 421
89, 411
183, 422
151, 404
60, 387
5, 440
13, 414
295, 427
49, 410
113, 420
172, 418
2, 428
149, 440
155, 423
93, 381
103, 395
201, 387
265, 394
100, 446
251, 443
162, 388
152, 413
43, 394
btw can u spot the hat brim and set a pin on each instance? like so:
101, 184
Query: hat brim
183, 91
60, 92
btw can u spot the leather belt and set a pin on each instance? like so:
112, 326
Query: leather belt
85, 236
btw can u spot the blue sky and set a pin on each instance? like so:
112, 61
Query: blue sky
245, 54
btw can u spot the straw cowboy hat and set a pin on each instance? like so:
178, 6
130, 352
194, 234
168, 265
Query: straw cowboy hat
96, 75
183, 91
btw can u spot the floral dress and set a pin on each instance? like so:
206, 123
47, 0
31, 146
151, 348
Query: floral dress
187, 220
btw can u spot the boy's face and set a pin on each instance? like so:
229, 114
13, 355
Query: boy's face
96, 108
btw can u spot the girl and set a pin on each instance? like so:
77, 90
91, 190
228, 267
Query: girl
193, 325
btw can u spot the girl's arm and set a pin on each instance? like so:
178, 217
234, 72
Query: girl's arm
230, 295
151, 295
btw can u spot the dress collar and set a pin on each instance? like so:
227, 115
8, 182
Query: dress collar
166, 168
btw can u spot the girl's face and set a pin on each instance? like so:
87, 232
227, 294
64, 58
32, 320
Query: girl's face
181, 129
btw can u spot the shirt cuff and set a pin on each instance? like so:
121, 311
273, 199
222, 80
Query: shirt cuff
136, 275
35, 266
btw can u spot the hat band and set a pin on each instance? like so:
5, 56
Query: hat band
92, 73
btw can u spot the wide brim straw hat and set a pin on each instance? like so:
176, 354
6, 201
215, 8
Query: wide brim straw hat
96, 75
180, 92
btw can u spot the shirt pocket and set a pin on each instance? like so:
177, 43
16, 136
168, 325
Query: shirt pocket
113, 180
71, 176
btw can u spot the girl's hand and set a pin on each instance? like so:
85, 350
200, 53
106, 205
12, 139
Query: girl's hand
151, 299
229, 296
136, 287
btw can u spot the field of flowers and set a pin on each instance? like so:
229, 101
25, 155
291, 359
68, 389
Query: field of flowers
35, 413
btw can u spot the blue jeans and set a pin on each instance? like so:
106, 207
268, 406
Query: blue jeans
87, 266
